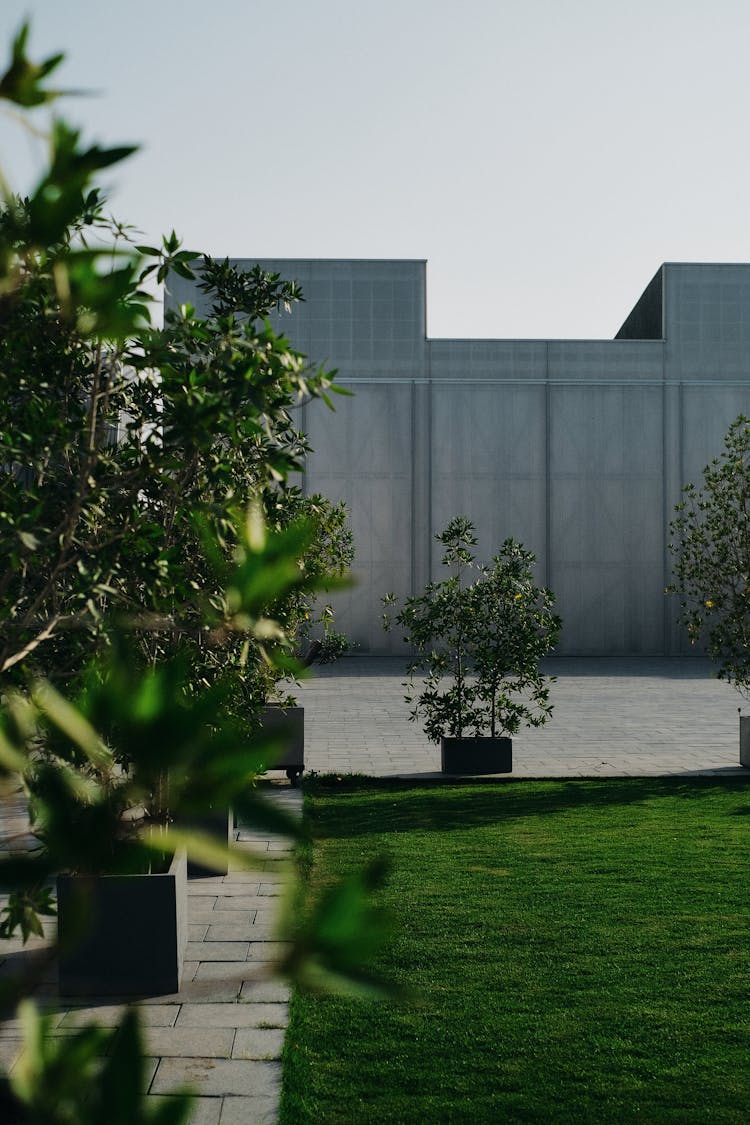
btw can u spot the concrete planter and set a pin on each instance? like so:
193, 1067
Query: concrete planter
133, 932
288, 722
476, 755
745, 741
217, 823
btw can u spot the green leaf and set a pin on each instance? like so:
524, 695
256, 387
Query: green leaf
22, 81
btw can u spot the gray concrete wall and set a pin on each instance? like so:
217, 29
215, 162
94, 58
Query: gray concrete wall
577, 448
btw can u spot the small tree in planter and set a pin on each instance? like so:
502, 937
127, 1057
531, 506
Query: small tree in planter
483, 630
711, 548
513, 627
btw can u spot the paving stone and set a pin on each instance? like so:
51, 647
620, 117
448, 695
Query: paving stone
258, 1043
11, 1028
231, 890
190, 1042
233, 1015
235, 971
110, 1015
267, 950
268, 915
241, 877
266, 991
239, 902
197, 931
249, 1111
270, 890
263, 931
219, 1077
200, 909
205, 1111
217, 951
9, 1052
228, 929
205, 992
233, 920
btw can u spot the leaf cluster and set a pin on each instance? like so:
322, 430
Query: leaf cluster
711, 551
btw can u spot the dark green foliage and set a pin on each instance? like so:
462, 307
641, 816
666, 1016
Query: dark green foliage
483, 630
23, 911
254, 293
577, 950
711, 551
333, 645
137, 569
126, 446
23, 81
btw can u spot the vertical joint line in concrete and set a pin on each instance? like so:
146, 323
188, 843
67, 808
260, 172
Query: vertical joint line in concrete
414, 486
664, 513
428, 430
303, 427
547, 477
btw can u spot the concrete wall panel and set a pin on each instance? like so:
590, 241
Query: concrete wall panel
488, 463
606, 517
364, 457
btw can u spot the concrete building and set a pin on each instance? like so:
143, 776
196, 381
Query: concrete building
579, 448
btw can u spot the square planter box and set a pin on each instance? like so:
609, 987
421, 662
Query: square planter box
290, 723
476, 755
217, 823
133, 932
745, 741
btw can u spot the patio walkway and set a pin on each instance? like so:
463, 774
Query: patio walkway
611, 717
223, 1032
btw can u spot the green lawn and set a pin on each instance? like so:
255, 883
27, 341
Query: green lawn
579, 952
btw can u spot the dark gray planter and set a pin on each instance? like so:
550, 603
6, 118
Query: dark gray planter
217, 823
476, 755
745, 741
123, 935
289, 723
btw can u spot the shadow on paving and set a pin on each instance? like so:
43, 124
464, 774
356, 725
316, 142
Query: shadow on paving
453, 805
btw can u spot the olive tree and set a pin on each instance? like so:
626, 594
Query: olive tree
711, 549
129, 456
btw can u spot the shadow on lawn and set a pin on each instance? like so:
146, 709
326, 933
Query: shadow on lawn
360, 806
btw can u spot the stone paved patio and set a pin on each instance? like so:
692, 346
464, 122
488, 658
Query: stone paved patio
611, 717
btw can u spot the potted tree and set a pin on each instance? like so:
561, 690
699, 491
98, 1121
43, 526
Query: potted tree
112, 773
306, 623
478, 636
711, 548
119, 778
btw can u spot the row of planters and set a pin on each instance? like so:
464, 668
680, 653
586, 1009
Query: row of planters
158, 577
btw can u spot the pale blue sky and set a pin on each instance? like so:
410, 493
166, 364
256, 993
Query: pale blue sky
544, 156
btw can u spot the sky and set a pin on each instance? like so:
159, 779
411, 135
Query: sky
543, 156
